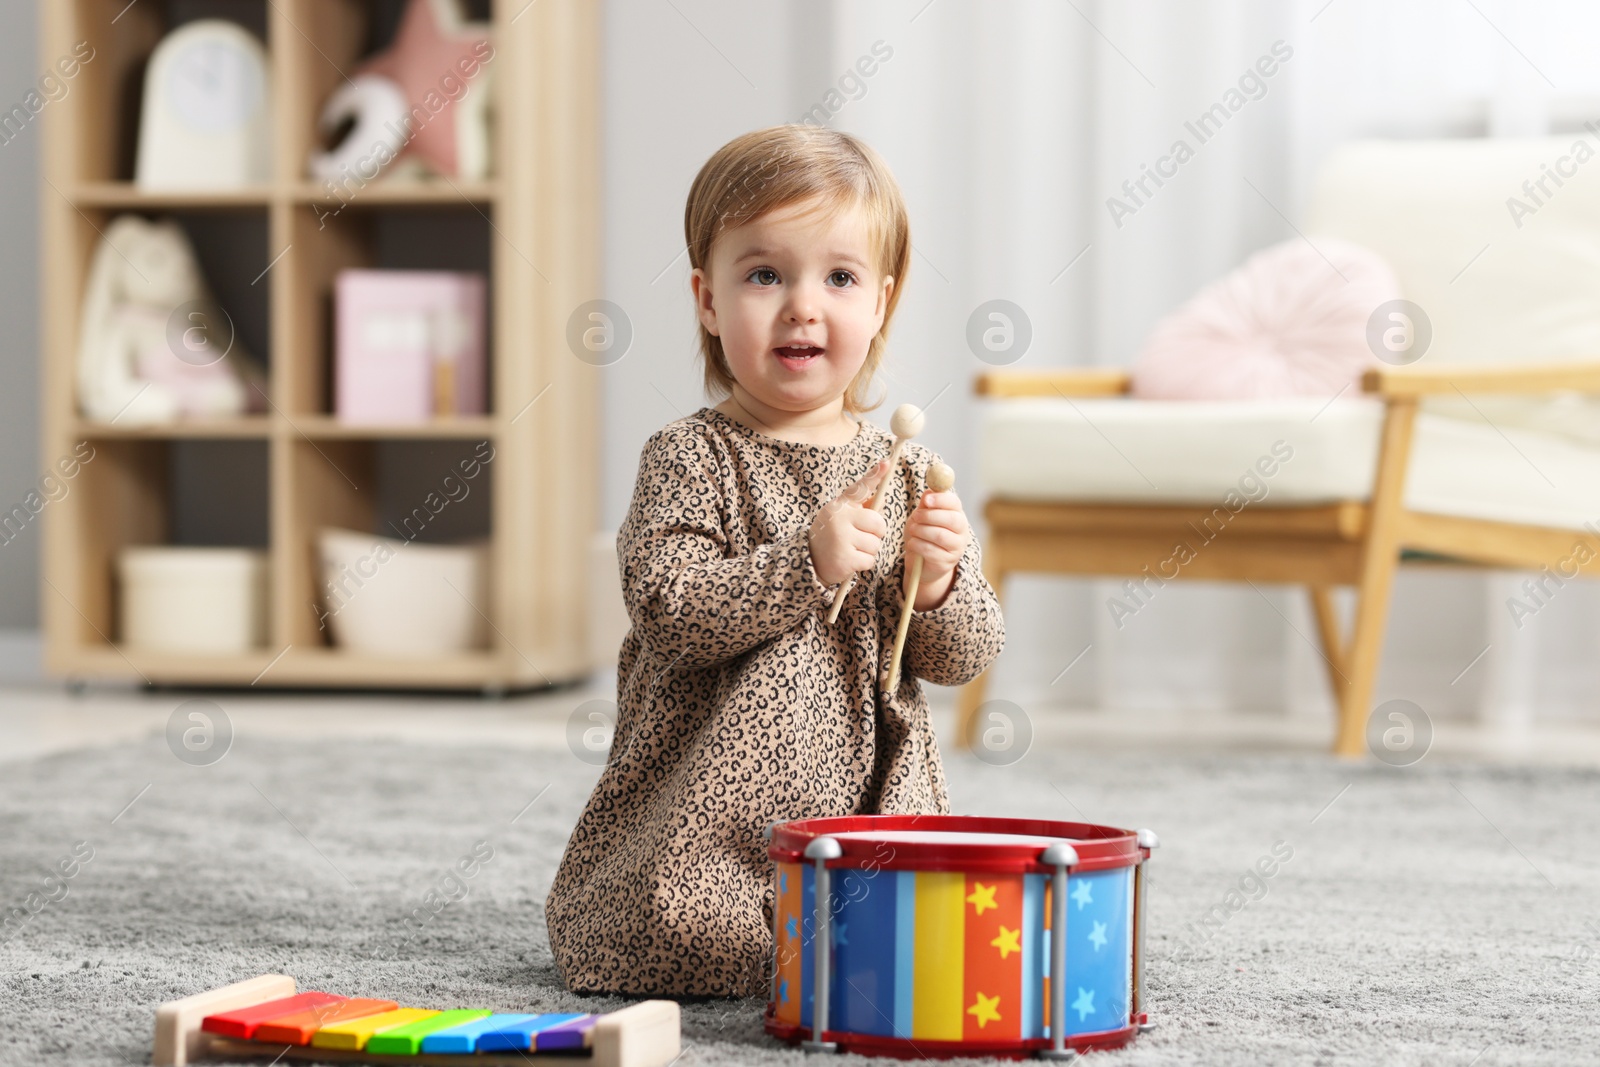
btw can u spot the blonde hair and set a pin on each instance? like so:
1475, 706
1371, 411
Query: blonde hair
766, 170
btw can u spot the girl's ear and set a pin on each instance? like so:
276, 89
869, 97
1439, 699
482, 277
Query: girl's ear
700, 286
883, 299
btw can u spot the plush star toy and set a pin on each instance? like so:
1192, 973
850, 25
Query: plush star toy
425, 98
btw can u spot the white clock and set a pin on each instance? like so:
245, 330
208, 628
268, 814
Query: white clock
206, 119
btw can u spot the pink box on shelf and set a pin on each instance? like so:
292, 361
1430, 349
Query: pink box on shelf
408, 345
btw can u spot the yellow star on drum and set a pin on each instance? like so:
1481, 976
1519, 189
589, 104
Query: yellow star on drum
1008, 942
985, 1009
982, 897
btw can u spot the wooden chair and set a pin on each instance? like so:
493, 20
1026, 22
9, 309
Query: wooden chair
1351, 542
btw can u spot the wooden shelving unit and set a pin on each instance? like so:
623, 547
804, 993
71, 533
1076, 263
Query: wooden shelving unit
533, 227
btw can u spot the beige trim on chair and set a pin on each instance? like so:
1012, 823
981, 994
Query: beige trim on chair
1061, 382
1396, 382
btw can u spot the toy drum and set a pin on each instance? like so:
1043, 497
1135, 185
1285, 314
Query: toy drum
935, 935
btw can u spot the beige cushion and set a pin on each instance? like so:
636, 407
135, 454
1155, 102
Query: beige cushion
1165, 452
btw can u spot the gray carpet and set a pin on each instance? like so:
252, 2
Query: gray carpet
1438, 914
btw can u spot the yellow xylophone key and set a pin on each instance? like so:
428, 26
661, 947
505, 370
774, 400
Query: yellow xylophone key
299, 1028
357, 1032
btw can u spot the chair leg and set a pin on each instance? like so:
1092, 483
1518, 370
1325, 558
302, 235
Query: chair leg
1379, 559
971, 696
1366, 648
1333, 653
967, 704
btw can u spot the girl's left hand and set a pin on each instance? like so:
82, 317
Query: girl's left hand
938, 532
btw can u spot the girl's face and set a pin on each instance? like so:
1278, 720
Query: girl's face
796, 301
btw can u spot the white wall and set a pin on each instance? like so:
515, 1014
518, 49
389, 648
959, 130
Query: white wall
19, 314
1008, 125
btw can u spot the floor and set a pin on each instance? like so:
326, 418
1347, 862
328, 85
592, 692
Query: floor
43, 717
1443, 914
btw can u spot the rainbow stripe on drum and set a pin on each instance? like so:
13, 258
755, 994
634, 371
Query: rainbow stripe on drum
953, 956
1099, 950
789, 915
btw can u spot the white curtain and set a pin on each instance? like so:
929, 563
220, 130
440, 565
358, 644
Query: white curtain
1010, 123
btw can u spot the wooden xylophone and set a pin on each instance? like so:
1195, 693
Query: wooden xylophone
266, 1017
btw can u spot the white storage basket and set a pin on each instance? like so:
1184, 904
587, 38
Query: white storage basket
193, 600
400, 599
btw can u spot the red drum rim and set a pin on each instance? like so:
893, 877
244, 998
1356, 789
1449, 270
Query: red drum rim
1098, 847
924, 1048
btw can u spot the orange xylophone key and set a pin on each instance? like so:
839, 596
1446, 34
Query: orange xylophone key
299, 1028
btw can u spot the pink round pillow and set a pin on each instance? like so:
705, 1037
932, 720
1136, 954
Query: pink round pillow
1283, 324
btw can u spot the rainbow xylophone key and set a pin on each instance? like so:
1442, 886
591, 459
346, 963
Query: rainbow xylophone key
539, 1034
407, 1040
463, 1039
243, 1022
302, 1026
355, 1033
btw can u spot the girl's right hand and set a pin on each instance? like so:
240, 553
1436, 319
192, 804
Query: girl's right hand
846, 533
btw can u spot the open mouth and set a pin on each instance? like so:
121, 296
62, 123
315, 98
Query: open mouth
797, 356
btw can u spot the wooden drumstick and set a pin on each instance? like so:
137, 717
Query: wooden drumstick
905, 423
941, 479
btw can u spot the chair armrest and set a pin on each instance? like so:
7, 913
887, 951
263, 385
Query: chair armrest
1413, 382
1064, 381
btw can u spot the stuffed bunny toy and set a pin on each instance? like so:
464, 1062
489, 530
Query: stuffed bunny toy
139, 363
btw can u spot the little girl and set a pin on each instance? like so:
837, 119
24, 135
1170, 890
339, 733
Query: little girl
739, 706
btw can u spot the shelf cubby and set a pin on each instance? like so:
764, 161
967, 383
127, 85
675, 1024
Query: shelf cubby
154, 491
109, 87
369, 235
381, 486
231, 245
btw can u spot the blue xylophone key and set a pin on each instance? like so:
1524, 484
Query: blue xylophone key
464, 1038
568, 1035
519, 1037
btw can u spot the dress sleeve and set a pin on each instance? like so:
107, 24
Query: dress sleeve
956, 641
689, 601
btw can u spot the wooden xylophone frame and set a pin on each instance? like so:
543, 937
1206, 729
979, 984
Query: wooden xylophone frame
645, 1034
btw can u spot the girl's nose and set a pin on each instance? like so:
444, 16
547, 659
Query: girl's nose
802, 306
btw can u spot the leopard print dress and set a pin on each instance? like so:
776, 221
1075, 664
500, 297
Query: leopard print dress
738, 706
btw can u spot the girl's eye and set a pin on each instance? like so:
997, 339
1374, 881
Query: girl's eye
761, 274
846, 275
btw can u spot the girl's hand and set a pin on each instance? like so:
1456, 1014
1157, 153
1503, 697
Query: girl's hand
938, 532
846, 533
